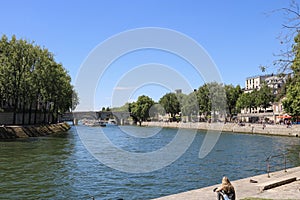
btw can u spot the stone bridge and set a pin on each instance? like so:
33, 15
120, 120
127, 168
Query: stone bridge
120, 117
70, 116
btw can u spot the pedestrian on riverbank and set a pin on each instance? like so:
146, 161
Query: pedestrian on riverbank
226, 190
289, 124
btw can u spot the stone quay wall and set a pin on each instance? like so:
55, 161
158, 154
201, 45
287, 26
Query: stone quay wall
13, 132
266, 129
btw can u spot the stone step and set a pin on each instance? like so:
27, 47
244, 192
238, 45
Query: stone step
276, 183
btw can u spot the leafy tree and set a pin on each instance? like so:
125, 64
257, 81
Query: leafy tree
170, 103
212, 99
218, 99
140, 108
204, 100
264, 97
247, 101
123, 108
232, 95
282, 90
30, 79
190, 105
290, 58
292, 101
156, 110
287, 37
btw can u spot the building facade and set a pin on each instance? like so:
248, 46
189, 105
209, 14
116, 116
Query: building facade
275, 82
254, 82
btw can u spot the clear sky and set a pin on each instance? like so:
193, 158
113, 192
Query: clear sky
238, 35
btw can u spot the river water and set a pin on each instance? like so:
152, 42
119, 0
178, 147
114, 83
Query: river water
61, 167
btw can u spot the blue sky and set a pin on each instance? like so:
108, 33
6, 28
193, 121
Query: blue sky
238, 35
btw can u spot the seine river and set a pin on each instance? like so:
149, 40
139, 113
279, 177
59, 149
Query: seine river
62, 168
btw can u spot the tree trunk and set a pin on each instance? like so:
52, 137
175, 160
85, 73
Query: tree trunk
35, 111
44, 113
29, 112
23, 112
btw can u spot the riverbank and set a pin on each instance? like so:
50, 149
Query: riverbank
13, 132
280, 130
280, 185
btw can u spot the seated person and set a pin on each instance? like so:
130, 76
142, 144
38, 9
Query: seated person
226, 190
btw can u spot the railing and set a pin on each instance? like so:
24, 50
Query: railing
274, 164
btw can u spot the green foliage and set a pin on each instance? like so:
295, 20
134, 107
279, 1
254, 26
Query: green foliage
262, 68
140, 108
217, 96
30, 79
204, 100
212, 99
189, 105
291, 103
257, 98
282, 91
246, 100
123, 108
156, 110
264, 97
232, 95
170, 103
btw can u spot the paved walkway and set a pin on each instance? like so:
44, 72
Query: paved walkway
282, 130
244, 188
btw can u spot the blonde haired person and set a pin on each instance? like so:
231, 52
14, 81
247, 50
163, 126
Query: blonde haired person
226, 190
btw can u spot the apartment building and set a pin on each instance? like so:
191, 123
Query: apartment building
255, 82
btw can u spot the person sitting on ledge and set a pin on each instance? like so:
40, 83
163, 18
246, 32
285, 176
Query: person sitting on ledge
226, 190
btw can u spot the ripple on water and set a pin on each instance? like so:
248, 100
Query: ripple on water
61, 168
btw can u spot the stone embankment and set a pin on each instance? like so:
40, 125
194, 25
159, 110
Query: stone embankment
266, 129
280, 185
13, 132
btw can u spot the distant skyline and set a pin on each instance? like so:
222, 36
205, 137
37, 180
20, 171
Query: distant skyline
238, 35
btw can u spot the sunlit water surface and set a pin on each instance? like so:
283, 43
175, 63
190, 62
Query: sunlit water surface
61, 168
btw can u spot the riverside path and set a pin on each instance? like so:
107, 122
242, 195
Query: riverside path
280, 185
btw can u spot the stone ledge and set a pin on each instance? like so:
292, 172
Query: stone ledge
13, 132
276, 183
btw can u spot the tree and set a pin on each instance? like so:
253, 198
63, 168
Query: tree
190, 105
291, 29
247, 101
30, 79
170, 103
155, 111
212, 99
204, 100
232, 95
292, 101
140, 108
123, 108
264, 97
218, 99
